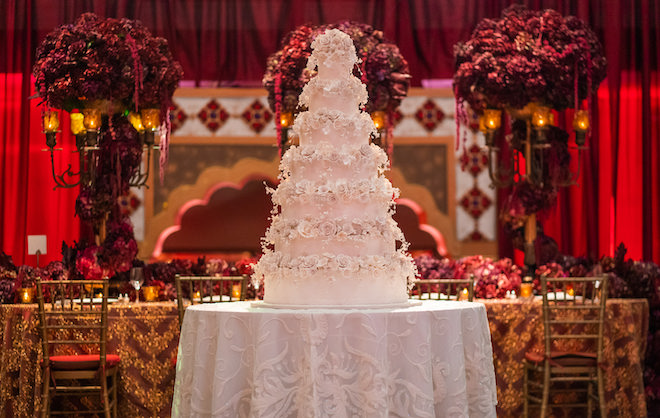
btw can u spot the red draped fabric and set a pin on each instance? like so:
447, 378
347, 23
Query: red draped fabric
228, 41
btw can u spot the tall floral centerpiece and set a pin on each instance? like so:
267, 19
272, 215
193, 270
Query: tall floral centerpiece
382, 68
527, 64
117, 80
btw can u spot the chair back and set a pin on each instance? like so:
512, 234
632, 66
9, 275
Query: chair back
573, 314
443, 289
208, 289
72, 316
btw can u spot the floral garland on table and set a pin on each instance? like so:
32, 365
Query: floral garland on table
385, 71
117, 66
528, 56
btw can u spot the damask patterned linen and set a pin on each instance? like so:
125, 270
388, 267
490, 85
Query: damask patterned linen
146, 336
430, 360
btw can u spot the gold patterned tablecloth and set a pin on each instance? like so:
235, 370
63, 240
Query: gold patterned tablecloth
146, 337
516, 327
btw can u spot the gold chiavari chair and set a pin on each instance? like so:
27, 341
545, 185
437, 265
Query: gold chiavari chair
571, 366
208, 289
71, 318
443, 289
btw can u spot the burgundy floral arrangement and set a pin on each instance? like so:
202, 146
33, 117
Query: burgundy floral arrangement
97, 59
528, 56
383, 68
116, 66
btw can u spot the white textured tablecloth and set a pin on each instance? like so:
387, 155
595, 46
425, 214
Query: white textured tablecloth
431, 360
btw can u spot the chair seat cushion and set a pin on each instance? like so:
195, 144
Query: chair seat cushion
82, 361
564, 358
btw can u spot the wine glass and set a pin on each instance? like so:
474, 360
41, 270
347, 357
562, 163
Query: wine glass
136, 280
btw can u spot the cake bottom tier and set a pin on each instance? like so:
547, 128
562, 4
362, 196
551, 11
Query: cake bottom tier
325, 290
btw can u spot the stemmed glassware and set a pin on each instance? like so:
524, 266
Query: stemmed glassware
136, 280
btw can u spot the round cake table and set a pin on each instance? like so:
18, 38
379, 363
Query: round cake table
430, 360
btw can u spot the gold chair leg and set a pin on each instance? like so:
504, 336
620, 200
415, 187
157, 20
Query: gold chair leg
114, 394
601, 394
45, 392
104, 394
590, 399
525, 392
546, 389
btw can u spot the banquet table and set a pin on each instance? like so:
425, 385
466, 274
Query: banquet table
146, 335
424, 360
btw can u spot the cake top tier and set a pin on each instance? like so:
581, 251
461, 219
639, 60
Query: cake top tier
333, 53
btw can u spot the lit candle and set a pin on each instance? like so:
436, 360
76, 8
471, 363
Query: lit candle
236, 291
92, 119
150, 119
136, 121
197, 295
379, 118
50, 121
569, 290
464, 294
25, 294
150, 293
581, 121
286, 119
526, 290
541, 116
492, 119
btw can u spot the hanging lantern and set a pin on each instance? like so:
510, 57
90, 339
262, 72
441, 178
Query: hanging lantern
380, 119
489, 123
78, 129
150, 119
581, 126
541, 117
286, 119
51, 123
135, 120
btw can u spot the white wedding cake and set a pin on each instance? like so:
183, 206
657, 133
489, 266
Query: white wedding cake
333, 240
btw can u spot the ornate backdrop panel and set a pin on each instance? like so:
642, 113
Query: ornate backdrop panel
227, 135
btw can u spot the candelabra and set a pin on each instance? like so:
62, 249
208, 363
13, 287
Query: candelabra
526, 162
86, 127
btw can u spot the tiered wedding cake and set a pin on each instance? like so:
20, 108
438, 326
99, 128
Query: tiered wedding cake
333, 242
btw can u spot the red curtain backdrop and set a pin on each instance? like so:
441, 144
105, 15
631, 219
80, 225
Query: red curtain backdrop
228, 41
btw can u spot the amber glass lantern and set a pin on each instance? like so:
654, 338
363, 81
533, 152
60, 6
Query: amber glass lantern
286, 119
51, 124
380, 119
489, 123
541, 117
581, 126
136, 121
26, 294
